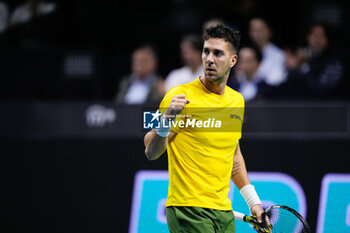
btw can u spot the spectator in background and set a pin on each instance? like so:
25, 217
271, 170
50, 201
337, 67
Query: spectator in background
30, 9
143, 85
247, 79
191, 54
272, 66
4, 14
316, 69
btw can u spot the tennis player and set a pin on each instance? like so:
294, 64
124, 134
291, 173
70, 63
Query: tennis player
201, 164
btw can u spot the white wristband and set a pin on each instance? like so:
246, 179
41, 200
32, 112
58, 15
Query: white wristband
250, 196
164, 131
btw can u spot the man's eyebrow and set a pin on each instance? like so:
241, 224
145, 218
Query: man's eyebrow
214, 50
218, 50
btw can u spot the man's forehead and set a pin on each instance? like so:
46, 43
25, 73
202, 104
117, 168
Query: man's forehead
216, 43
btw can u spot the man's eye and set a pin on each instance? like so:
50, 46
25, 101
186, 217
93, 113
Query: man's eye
217, 53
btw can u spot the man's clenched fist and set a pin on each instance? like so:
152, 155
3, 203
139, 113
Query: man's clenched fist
177, 104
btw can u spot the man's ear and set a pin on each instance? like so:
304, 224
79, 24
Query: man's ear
233, 61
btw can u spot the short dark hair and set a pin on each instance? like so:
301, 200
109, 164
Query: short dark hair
221, 31
194, 40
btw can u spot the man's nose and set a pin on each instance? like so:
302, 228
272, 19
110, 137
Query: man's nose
210, 58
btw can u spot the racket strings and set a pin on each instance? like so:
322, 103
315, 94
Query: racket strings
284, 221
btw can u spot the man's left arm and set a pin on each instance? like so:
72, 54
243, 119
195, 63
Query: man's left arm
240, 177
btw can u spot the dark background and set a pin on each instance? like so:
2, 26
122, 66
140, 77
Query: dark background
32, 54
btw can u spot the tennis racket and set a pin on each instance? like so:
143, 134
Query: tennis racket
283, 219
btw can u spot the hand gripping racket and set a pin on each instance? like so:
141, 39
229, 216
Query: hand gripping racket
252, 220
283, 219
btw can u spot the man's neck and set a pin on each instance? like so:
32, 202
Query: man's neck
217, 87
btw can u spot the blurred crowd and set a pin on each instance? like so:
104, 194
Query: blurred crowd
13, 16
23, 13
313, 70
263, 71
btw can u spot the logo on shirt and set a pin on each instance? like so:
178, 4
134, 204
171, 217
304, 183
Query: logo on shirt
234, 116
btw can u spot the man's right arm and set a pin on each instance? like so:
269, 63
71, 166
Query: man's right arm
156, 142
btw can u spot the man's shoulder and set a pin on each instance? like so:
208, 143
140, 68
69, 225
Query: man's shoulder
233, 92
235, 95
176, 90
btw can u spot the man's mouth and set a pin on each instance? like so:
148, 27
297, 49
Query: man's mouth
211, 70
